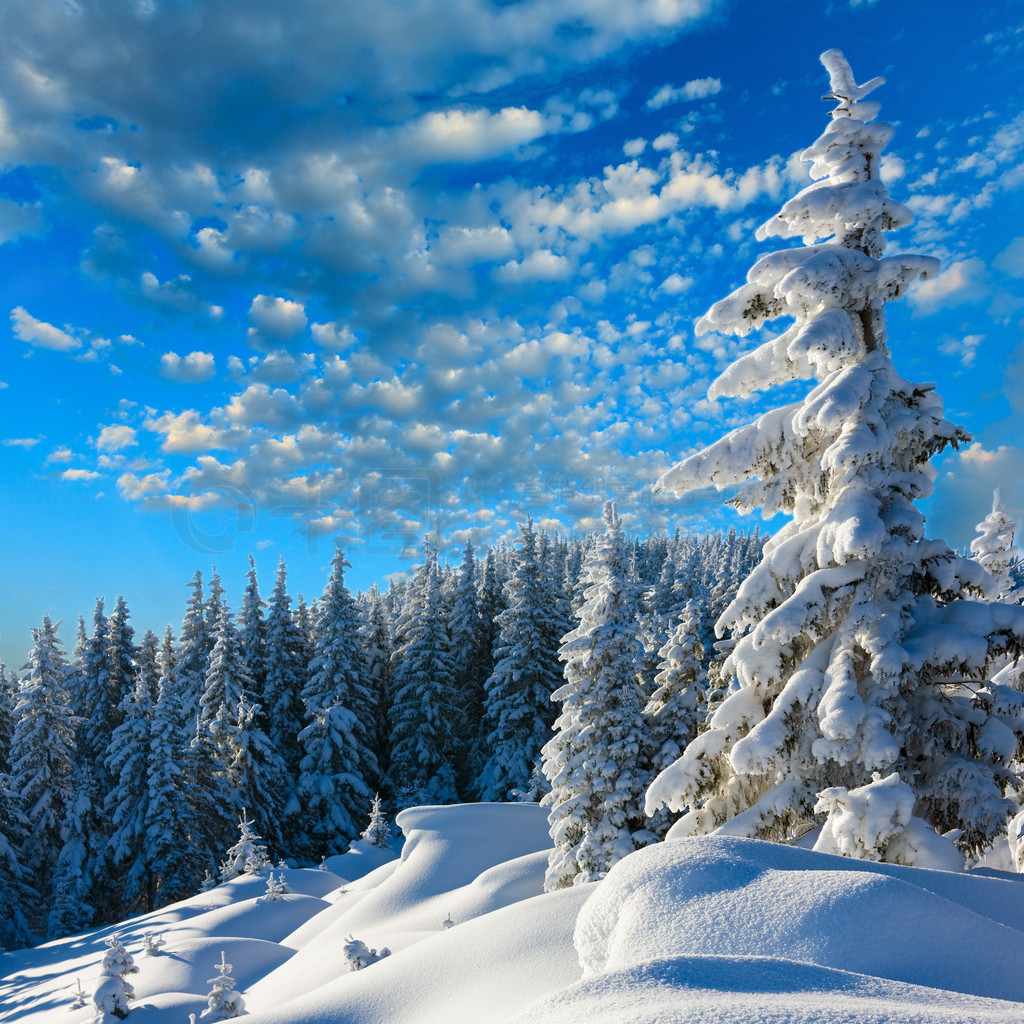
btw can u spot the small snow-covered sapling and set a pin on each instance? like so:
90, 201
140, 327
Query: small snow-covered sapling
247, 856
276, 888
223, 1002
79, 995
151, 944
358, 955
378, 832
113, 991
448, 923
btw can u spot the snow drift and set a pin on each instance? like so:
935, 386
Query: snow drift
715, 929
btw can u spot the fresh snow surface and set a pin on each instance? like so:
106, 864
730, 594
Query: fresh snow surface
718, 929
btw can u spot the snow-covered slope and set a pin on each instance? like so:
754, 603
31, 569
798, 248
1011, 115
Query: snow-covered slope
714, 929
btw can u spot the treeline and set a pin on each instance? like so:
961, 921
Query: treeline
126, 767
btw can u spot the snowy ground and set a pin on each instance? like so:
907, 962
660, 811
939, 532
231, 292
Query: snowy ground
717, 929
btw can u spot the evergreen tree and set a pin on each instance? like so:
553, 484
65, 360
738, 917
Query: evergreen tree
861, 657
423, 725
469, 672
287, 665
8, 694
126, 804
17, 897
80, 873
223, 1002
93, 694
147, 666
995, 550
189, 679
338, 767
598, 759
172, 831
113, 992
379, 649
254, 634
42, 754
674, 709
518, 712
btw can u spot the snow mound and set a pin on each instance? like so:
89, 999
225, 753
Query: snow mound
752, 930
458, 863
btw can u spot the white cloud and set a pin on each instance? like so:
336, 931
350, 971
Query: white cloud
193, 368
116, 438
277, 318
135, 488
961, 283
634, 147
675, 284
470, 135
41, 335
331, 336
21, 442
79, 474
61, 454
697, 89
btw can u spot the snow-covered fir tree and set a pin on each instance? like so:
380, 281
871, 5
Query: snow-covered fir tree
287, 663
172, 842
469, 670
598, 761
223, 1002
190, 660
378, 648
378, 832
42, 756
17, 897
147, 665
126, 805
423, 712
994, 549
338, 768
81, 877
675, 708
518, 713
254, 635
114, 991
248, 856
862, 659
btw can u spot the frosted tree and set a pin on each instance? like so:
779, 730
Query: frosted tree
598, 759
174, 851
287, 662
675, 708
126, 803
338, 767
378, 832
8, 694
254, 633
189, 680
216, 741
469, 669
16, 895
42, 754
994, 549
77, 883
248, 856
379, 649
147, 665
860, 650
223, 1002
518, 713
114, 991
423, 713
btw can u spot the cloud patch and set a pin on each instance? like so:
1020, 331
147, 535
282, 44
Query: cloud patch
697, 89
40, 334
191, 369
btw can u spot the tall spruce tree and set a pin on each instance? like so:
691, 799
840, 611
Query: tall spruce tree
598, 761
338, 768
42, 756
863, 662
423, 713
994, 549
518, 712
287, 665
173, 834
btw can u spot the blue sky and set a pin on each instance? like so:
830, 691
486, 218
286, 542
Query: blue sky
277, 274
